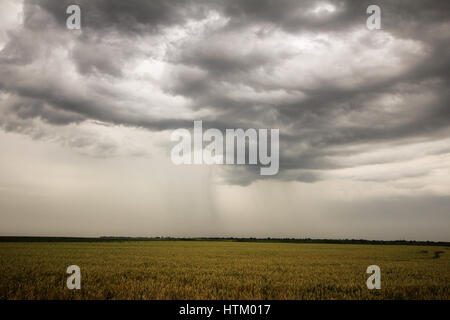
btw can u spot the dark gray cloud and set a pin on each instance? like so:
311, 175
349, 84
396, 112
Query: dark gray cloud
134, 16
310, 68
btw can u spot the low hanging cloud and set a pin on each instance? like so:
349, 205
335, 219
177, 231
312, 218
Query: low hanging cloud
337, 91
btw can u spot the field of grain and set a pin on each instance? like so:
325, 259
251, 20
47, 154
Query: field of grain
221, 270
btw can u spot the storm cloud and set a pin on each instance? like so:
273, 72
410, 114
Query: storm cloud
336, 90
363, 116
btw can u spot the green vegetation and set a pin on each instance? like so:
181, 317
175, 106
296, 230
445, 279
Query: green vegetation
221, 270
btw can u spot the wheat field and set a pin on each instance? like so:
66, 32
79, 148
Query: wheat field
221, 270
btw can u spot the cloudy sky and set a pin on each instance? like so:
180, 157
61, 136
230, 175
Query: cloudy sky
364, 118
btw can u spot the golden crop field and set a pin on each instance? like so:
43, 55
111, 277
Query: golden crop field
221, 270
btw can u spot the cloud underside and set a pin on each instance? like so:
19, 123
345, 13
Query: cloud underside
346, 99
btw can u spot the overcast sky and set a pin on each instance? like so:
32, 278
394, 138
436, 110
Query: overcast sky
364, 118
